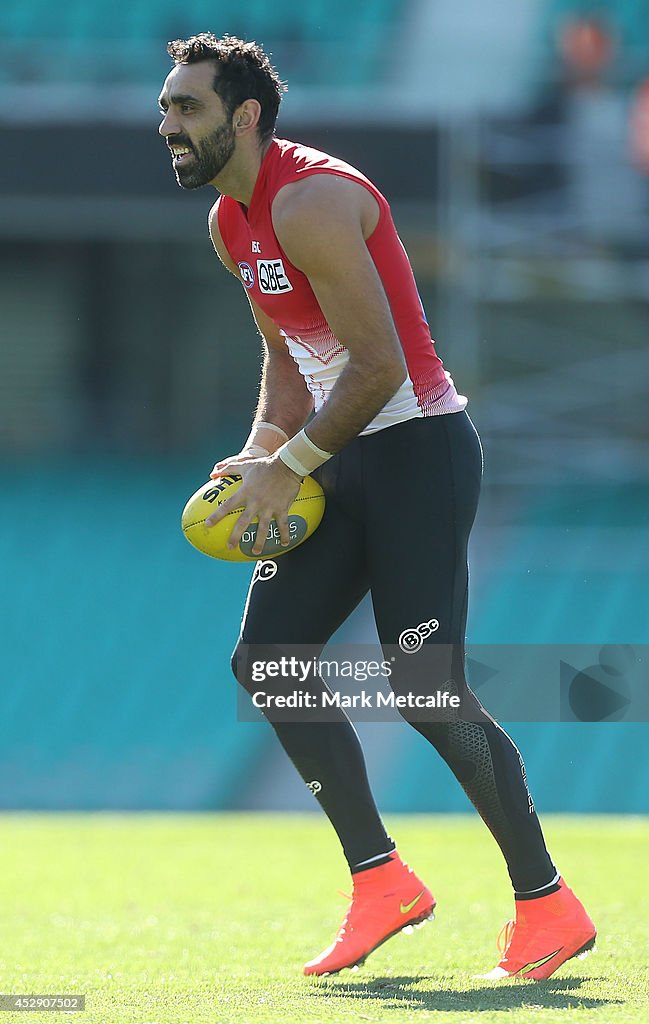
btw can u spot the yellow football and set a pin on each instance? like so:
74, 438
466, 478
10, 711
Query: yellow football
304, 517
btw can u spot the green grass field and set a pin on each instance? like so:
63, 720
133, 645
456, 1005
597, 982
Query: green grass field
193, 918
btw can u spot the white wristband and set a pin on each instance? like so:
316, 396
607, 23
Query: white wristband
266, 436
267, 426
273, 426
301, 455
256, 450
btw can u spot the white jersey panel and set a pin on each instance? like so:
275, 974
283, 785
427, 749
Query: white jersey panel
321, 360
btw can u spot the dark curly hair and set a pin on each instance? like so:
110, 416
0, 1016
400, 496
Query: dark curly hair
243, 72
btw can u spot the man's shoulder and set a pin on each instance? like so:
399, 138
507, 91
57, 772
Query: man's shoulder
320, 203
220, 233
303, 178
214, 210
221, 213
222, 204
317, 191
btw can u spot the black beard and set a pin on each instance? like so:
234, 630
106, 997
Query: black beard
209, 157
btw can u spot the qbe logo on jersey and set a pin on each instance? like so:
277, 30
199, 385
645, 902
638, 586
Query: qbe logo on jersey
272, 277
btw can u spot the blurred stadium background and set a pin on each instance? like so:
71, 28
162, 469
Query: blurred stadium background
513, 142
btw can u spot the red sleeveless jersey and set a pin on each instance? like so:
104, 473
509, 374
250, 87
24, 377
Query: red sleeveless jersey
283, 292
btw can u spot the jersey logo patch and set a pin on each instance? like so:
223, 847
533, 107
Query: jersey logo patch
247, 274
272, 277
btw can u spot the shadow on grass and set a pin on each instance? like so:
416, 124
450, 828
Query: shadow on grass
406, 993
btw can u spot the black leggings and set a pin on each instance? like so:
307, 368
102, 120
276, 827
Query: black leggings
400, 507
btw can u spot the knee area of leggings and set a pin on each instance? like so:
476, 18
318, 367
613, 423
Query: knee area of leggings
238, 665
432, 729
248, 664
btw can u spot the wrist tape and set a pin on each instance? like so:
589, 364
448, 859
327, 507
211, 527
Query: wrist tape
256, 450
301, 455
258, 433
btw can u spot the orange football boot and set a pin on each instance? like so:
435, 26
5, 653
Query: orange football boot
546, 932
386, 899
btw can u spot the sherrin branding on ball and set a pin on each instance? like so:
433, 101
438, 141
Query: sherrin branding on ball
304, 517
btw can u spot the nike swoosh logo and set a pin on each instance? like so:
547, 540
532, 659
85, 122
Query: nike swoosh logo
539, 963
409, 906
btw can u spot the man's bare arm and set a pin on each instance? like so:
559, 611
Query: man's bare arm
321, 224
284, 398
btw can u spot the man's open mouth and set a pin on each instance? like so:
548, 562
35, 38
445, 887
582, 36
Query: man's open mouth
180, 154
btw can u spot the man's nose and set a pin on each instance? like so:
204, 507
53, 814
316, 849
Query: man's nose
167, 127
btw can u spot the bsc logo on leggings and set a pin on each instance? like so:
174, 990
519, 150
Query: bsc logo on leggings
412, 638
264, 570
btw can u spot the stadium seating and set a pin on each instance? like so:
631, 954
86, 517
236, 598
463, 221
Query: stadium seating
313, 43
117, 636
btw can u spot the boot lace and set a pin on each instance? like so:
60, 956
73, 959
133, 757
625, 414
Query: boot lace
505, 936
